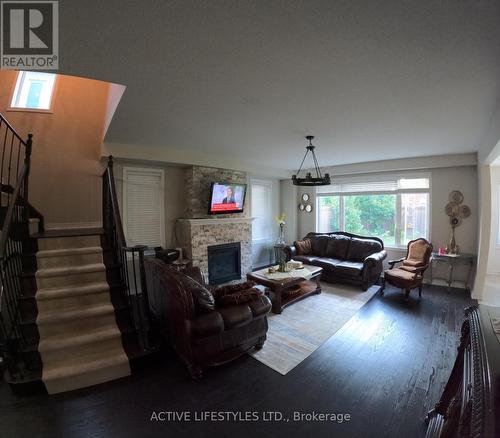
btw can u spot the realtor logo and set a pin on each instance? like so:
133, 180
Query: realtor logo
29, 35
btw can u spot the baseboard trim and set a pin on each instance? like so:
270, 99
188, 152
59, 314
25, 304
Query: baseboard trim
72, 225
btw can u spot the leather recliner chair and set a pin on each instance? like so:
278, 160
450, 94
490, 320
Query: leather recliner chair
205, 328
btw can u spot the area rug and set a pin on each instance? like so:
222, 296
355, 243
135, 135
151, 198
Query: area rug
304, 326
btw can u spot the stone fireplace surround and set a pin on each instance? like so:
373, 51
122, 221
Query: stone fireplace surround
199, 230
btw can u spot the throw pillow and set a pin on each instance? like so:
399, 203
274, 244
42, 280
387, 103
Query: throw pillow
303, 247
232, 288
239, 297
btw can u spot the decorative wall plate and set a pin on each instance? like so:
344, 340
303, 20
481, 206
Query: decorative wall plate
309, 208
305, 197
465, 211
452, 209
301, 207
456, 196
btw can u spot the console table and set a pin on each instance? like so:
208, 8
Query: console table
470, 403
453, 260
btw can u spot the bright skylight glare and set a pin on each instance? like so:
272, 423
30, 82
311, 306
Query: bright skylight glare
33, 90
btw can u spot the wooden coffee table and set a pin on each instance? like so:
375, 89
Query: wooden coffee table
286, 291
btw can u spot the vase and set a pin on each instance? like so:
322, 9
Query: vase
452, 248
279, 249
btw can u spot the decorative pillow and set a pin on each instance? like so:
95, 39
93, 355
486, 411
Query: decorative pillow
303, 247
239, 297
203, 300
232, 288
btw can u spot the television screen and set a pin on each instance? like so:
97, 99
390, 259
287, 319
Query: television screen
227, 198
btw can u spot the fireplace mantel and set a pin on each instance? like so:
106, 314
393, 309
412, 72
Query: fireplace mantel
218, 220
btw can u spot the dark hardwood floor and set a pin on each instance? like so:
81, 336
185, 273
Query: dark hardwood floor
385, 368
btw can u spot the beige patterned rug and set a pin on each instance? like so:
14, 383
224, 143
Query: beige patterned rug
304, 326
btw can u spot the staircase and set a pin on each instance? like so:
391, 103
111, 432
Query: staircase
80, 343
73, 303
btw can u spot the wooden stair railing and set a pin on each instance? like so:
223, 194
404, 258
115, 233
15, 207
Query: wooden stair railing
15, 161
130, 261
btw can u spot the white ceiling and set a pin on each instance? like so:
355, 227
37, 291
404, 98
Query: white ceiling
249, 79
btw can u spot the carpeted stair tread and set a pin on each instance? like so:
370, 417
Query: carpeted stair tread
65, 292
71, 270
75, 313
65, 340
68, 251
80, 342
85, 364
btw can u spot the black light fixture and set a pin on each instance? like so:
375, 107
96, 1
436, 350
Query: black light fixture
309, 180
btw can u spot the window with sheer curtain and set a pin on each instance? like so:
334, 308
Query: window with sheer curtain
261, 206
396, 209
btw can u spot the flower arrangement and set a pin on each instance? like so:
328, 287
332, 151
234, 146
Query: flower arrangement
281, 219
279, 247
281, 222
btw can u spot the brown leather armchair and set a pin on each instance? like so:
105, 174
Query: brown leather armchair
205, 328
410, 274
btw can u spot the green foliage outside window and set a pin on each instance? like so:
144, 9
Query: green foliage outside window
371, 215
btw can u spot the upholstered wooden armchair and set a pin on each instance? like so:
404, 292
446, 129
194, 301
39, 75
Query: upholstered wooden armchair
410, 274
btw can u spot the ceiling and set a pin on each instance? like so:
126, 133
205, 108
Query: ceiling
249, 79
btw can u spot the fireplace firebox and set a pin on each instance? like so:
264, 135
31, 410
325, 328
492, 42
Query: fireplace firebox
224, 262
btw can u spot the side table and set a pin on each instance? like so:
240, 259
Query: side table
453, 260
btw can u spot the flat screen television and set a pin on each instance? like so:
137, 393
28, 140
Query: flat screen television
227, 198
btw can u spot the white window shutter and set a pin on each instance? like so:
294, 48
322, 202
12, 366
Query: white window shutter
143, 206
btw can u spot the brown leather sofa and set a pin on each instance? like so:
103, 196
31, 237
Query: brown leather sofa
344, 257
205, 327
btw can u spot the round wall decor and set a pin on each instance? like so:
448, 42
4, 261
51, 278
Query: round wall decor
309, 208
456, 196
305, 197
301, 207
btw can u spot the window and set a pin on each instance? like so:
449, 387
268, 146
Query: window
261, 206
394, 209
143, 206
33, 91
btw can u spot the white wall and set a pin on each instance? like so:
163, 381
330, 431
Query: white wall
493, 266
487, 286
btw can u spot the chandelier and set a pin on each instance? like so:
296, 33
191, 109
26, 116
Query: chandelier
319, 179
